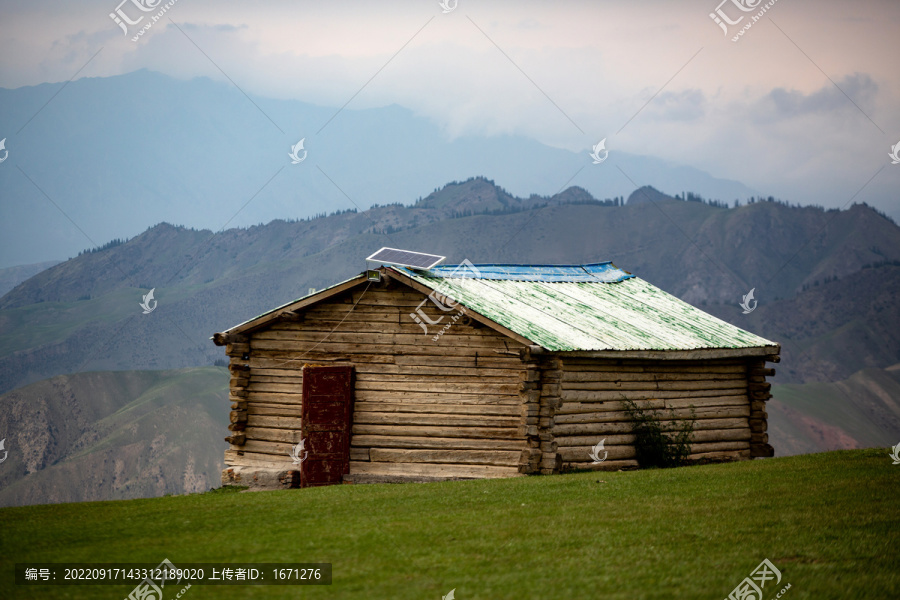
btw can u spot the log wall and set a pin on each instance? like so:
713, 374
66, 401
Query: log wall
591, 407
446, 408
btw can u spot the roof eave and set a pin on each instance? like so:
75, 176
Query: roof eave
767, 352
220, 339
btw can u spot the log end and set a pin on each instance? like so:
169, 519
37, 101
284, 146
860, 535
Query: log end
762, 451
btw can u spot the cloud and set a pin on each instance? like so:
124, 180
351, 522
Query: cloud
781, 103
760, 111
686, 105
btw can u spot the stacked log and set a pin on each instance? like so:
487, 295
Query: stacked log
237, 350
424, 408
594, 394
550, 401
760, 393
530, 395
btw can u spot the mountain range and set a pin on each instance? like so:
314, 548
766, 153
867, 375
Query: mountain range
98, 159
825, 280
114, 435
826, 283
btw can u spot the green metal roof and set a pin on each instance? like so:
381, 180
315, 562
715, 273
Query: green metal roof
584, 313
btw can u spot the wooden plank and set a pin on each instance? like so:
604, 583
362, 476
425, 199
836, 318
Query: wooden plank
375, 371
477, 359
278, 388
582, 454
433, 407
294, 360
570, 364
439, 387
443, 398
267, 434
379, 339
426, 431
425, 348
603, 386
405, 325
509, 378
599, 396
286, 376
404, 303
388, 441
442, 370
676, 403
456, 457
255, 459
279, 360
443, 420
275, 398
331, 315
574, 380
706, 412
254, 420
438, 471
588, 442
275, 449
346, 303
359, 454
289, 371
720, 446
560, 430
625, 438
375, 341
607, 465
274, 410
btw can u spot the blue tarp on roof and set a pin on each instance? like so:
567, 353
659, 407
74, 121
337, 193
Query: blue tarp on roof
604, 272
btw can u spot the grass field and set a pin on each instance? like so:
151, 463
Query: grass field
830, 523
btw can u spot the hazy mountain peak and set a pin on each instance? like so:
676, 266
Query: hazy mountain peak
477, 194
647, 195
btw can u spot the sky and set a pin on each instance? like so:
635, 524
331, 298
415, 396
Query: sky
803, 106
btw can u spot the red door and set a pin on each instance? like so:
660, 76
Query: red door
325, 416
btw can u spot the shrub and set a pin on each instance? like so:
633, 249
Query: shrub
656, 445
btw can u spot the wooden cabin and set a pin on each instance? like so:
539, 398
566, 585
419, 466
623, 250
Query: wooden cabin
482, 371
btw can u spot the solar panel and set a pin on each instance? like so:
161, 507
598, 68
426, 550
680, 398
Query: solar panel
406, 258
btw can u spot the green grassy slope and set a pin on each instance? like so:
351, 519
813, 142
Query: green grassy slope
120, 434
829, 522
